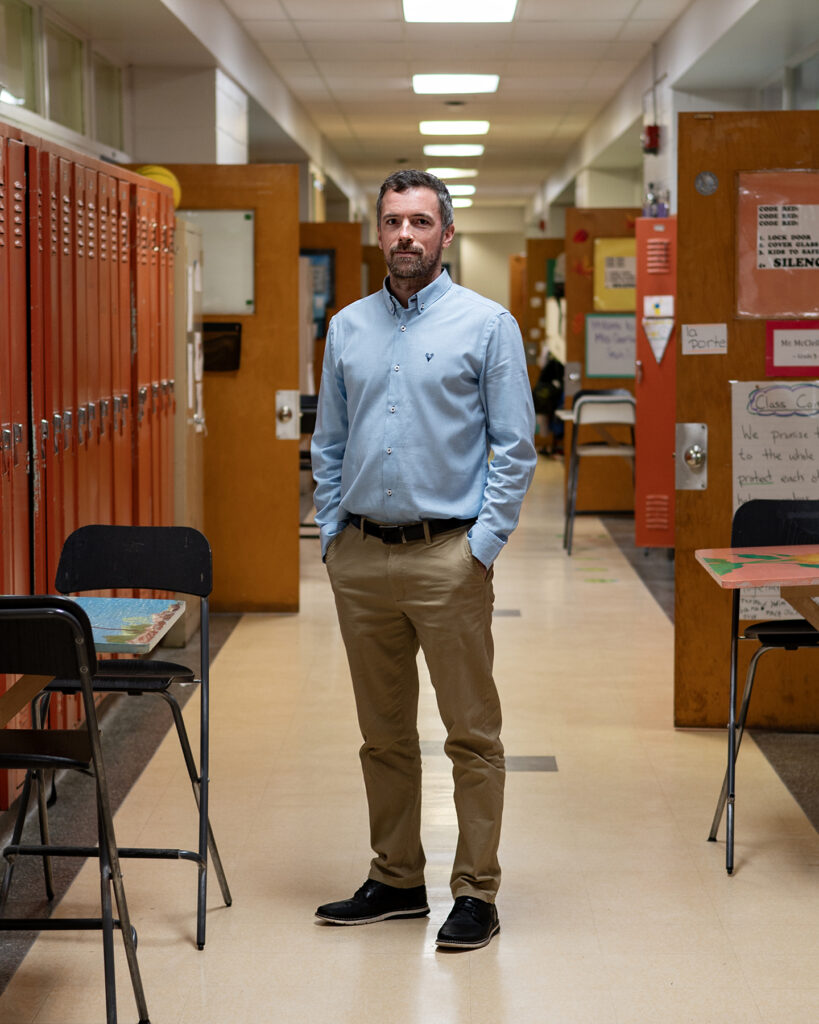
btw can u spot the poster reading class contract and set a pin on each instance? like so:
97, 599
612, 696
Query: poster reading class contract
778, 244
611, 344
775, 434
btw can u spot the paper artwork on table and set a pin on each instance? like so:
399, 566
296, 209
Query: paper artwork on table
658, 331
774, 430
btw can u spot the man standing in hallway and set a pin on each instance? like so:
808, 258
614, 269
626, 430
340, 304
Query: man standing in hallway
422, 454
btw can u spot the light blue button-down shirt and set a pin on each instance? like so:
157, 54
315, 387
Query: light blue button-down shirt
424, 413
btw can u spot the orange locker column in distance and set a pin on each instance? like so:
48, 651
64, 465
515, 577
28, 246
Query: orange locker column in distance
655, 383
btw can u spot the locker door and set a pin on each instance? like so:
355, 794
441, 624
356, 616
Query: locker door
144, 217
69, 442
86, 486
121, 353
52, 405
18, 451
40, 412
89, 347
104, 363
5, 374
655, 382
166, 333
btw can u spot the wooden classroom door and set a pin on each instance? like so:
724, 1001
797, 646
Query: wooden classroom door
719, 155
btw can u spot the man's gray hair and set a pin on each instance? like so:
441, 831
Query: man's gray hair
400, 181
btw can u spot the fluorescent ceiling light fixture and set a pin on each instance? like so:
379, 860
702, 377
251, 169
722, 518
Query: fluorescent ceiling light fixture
452, 172
461, 190
460, 10
445, 84
454, 149
461, 202
453, 127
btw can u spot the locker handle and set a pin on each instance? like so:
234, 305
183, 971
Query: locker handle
17, 439
57, 424
82, 415
68, 425
5, 445
142, 398
105, 406
43, 437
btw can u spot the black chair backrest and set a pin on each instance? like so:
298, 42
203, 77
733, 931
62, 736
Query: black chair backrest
766, 521
45, 636
175, 558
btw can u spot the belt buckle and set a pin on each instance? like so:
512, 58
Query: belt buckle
392, 535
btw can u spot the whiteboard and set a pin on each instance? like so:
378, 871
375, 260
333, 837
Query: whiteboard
611, 344
775, 454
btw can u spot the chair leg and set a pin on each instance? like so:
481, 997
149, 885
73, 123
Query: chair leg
571, 503
16, 836
193, 774
42, 814
740, 729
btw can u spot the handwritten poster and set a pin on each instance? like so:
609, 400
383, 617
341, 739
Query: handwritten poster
611, 344
775, 433
778, 244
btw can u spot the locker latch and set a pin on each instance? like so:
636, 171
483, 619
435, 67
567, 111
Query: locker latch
68, 429
17, 439
124, 400
105, 408
5, 445
57, 425
142, 398
82, 418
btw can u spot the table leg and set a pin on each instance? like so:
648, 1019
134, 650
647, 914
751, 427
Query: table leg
729, 817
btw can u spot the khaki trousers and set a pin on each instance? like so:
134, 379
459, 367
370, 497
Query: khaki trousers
391, 599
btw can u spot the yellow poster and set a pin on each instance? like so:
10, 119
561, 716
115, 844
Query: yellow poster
615, 275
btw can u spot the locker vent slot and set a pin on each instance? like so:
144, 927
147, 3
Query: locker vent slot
657, 511
658, 256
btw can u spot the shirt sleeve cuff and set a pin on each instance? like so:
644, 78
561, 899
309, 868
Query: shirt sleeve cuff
485, 546
327, 533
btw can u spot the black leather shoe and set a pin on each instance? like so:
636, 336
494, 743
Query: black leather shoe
375, 901
470, 925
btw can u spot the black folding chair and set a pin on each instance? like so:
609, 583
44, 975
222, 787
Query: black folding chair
48, 636
173, 558
761, 523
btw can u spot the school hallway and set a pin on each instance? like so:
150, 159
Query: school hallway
614, 908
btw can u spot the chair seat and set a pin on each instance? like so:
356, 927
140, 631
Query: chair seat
121, 676
45, 748
625, 450
789, 633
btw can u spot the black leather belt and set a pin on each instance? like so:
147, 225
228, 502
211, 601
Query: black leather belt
409, 532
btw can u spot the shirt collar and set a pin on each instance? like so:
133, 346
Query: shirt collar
421, 300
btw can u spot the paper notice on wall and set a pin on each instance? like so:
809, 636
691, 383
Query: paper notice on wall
775, 442
658, 331
777, 267
787, 237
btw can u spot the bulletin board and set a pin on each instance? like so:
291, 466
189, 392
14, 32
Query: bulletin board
773, 429
615, 274
778, 244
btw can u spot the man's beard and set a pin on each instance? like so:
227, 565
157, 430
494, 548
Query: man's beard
419, 266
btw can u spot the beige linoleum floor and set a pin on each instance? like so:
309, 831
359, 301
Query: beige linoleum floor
614, 908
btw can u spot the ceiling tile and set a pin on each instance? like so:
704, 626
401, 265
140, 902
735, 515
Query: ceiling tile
354, 10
